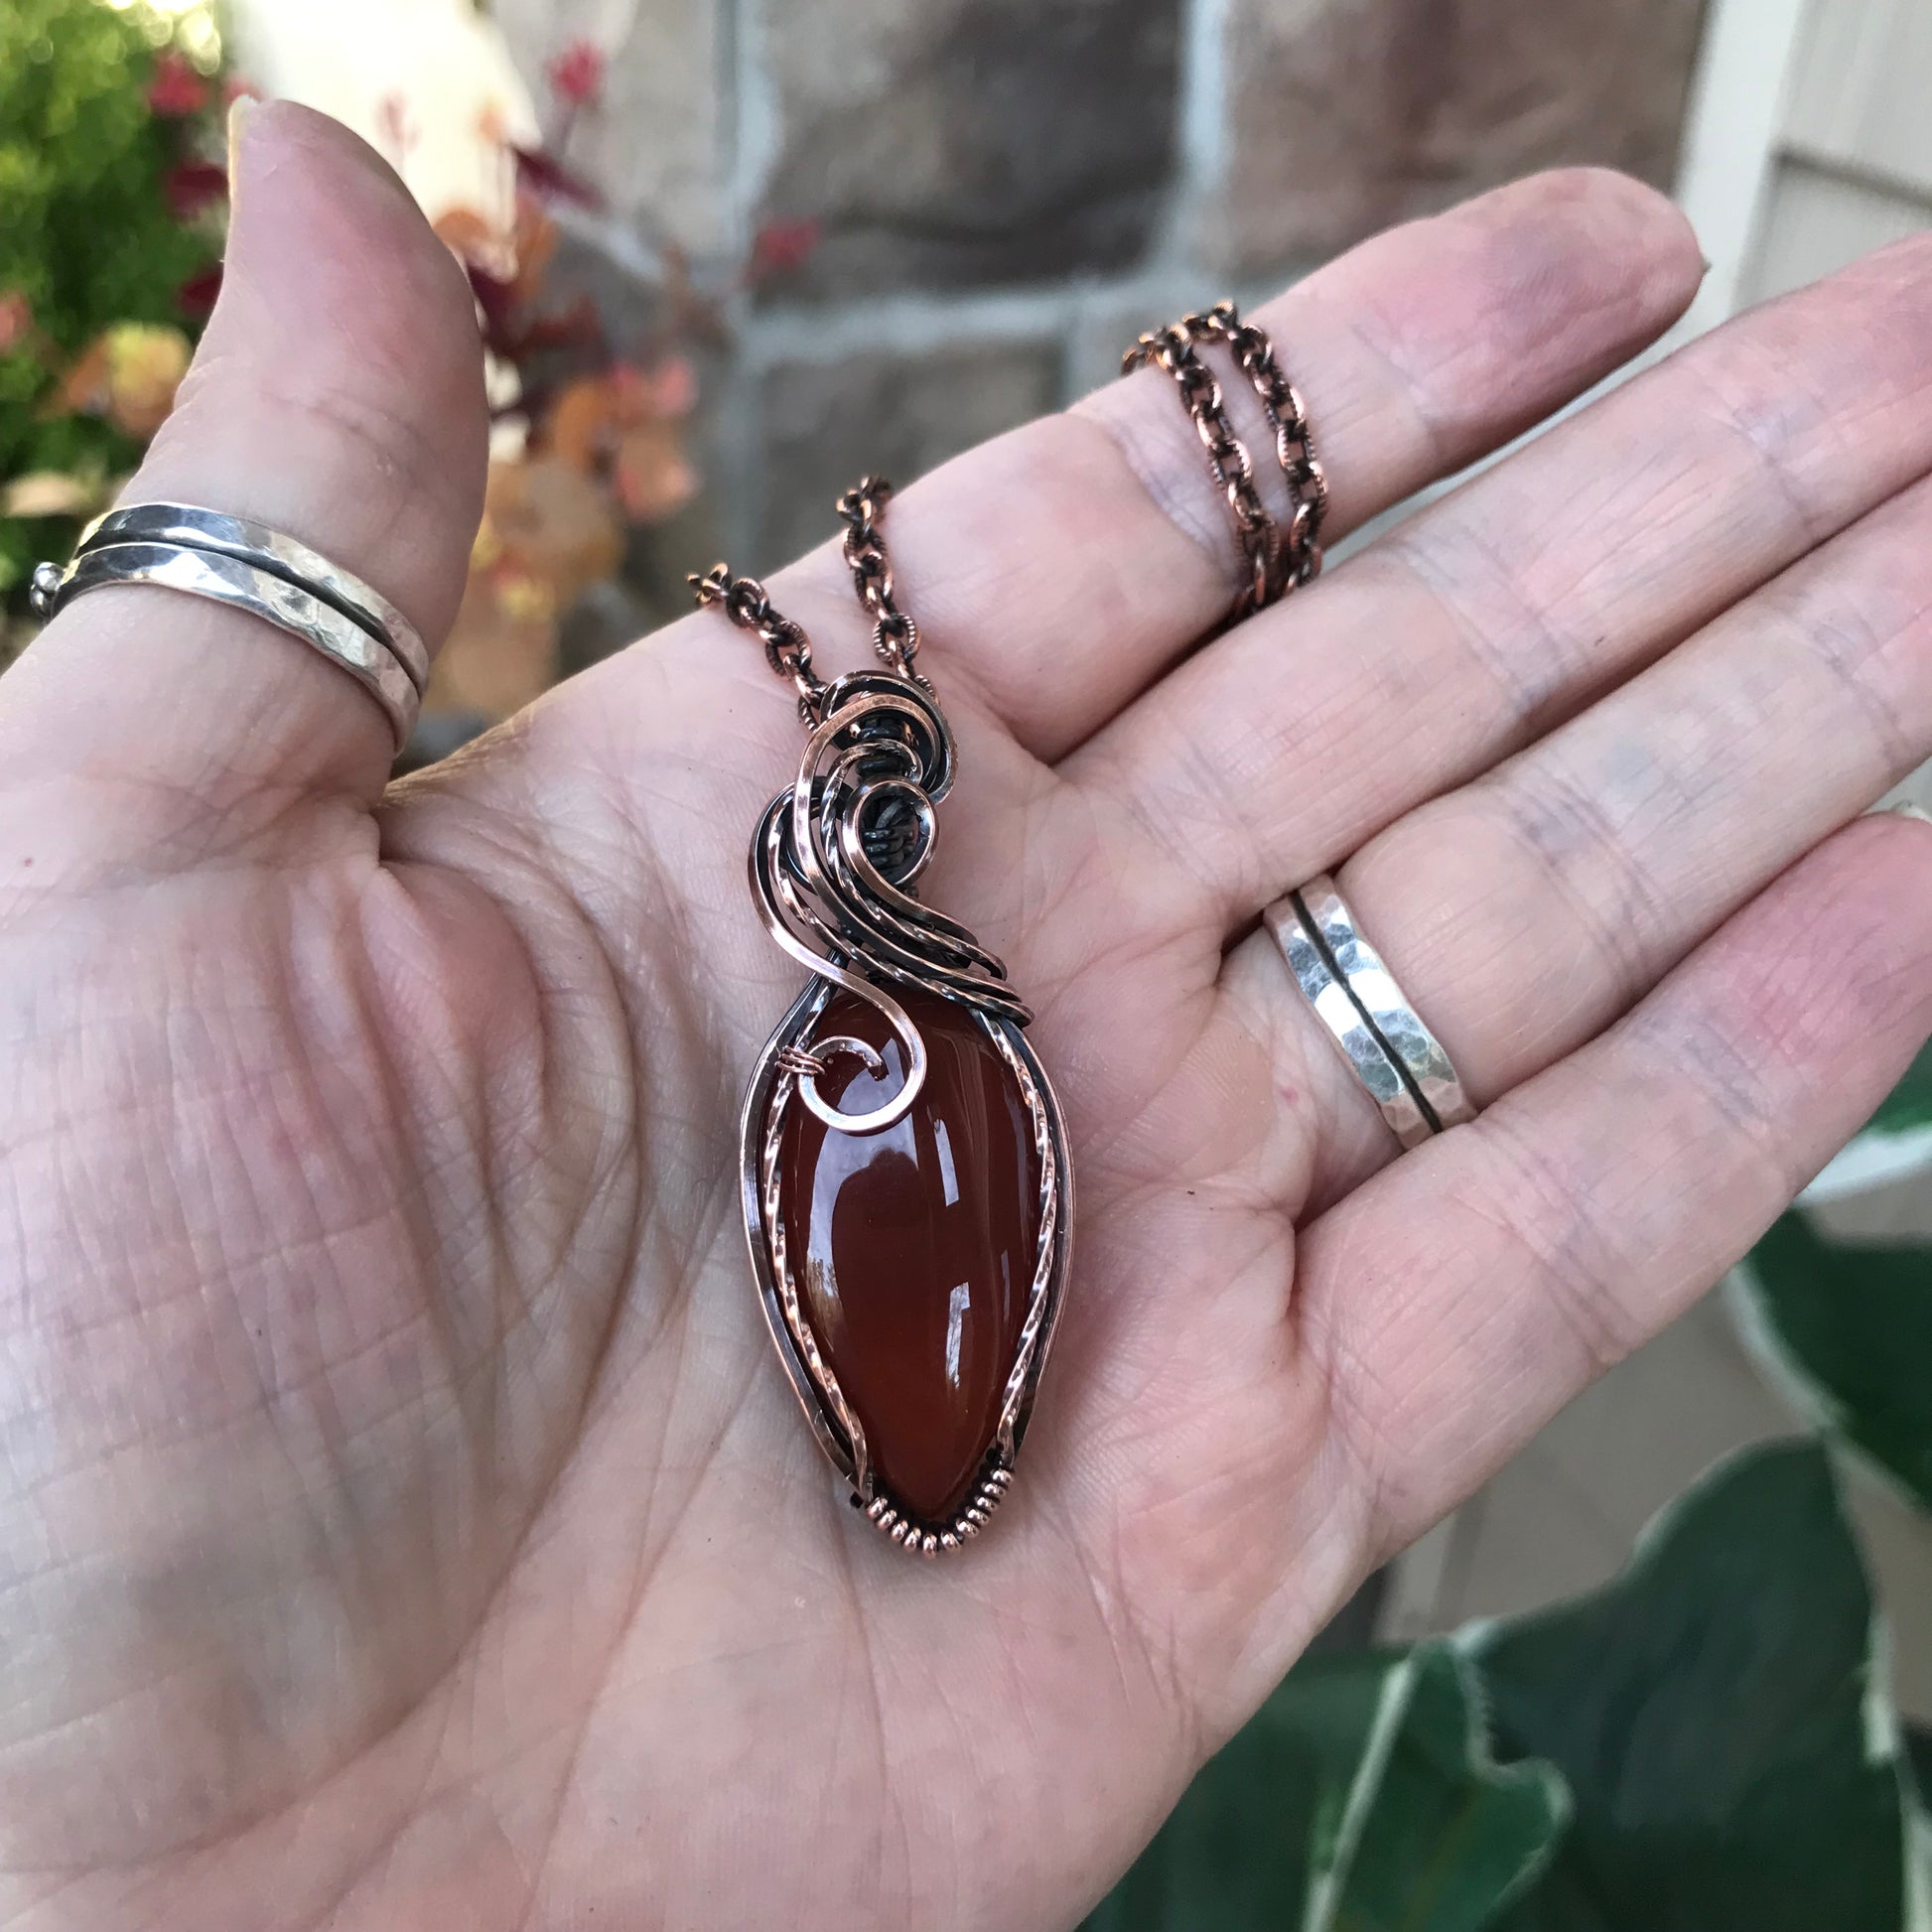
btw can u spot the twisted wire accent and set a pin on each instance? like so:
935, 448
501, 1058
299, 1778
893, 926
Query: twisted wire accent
835, 891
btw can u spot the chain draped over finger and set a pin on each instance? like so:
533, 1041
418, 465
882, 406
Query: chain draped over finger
1278, 560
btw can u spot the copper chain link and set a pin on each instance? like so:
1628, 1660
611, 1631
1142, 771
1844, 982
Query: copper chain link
895, 637
1278, 560
787, 649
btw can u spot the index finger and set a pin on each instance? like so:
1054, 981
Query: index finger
1059, 569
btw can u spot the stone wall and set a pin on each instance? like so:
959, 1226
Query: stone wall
988, 199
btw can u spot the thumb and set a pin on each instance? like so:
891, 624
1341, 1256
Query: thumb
337, 396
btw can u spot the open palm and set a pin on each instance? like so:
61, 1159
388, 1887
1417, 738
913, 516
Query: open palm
403, 1521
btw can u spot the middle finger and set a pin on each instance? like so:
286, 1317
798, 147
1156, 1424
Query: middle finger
1528, 910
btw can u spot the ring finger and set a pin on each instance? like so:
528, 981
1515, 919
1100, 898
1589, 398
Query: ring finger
1525, 912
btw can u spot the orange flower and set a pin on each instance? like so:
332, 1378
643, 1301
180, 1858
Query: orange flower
534, 241
553, 525
129, 373
581, 424
547, 532
622, 427
475, 243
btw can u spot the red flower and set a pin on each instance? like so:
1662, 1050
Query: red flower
175, 90
192, 186
577, 74
781, 247
195, 296
546, 176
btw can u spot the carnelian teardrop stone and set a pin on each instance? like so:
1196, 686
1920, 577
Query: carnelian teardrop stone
915, 1248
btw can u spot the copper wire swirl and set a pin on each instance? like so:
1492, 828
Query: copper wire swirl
882, 742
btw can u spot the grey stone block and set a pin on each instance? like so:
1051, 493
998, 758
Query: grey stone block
896, 414
969, 142
1345, 115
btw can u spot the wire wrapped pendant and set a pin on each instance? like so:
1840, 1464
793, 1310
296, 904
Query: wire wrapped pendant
908, 1196
907, 1186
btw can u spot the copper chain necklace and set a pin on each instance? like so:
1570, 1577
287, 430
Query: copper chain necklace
1278, 560
908, 1188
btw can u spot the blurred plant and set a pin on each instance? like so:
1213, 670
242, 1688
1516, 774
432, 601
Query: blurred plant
110, 230
591, 415
783, 248
1706, 1745
576, 78
1847, 1331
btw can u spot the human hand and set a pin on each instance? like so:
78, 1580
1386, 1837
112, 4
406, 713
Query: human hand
403, 1521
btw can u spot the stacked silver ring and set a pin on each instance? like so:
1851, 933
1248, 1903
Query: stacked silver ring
1381, 1035
251, 567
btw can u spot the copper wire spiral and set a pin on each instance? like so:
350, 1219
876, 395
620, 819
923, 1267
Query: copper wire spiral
834, 867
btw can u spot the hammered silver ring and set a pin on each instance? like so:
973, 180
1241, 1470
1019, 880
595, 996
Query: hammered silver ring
251, 567
1383, 1038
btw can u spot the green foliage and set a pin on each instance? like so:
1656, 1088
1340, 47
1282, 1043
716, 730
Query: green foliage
1437, 1832
1362, 1798
87, 236
1714, 1715
1910, 1103
1704, 1746
1850, 1328
1708, 1745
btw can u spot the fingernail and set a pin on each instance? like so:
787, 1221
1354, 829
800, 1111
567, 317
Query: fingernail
239, 111
1906, 809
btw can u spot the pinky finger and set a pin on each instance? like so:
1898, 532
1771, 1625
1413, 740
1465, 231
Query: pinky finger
1462, 1296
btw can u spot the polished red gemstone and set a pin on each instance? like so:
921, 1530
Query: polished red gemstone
913, 1248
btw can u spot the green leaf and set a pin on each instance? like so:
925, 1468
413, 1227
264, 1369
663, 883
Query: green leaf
1896, 1140
1849, 1330
1910, 1103
1919, 1754
1237, 1850
1717, 1715
1448, 1835
1361, 1798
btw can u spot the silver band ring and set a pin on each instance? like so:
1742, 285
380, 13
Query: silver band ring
331, 611
1381, 1035
281, 556
244, 587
